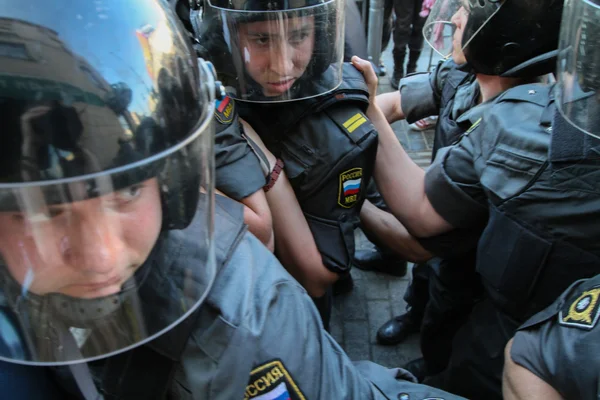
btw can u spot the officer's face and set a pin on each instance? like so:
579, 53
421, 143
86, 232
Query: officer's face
277, 52
83, 249
460, 20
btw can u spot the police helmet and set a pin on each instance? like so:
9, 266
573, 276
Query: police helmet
501, 37
272, 51
106, 150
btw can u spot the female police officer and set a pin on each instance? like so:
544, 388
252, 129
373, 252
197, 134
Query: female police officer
113, 272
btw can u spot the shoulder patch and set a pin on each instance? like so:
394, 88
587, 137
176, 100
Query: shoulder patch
352, 123
475, 125
225, 110
350, 186
272, 381
583, 312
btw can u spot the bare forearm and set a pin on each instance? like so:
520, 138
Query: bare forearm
390, 105
260, 226
392, 233
402, 183
294, 242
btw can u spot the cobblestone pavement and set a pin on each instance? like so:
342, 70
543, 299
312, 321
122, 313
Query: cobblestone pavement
377, 297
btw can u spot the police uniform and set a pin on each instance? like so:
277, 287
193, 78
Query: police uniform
257, 335
240, 166
541, 234
448, 92
561, 343
328, 147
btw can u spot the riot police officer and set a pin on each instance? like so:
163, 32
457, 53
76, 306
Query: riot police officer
555, 353
114, 275
533, 245
451, 90
282, 61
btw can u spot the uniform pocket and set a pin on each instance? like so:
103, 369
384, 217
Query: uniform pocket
507, 172
335, 241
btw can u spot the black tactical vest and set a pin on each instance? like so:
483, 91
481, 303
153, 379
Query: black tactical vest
328, 147
523, 265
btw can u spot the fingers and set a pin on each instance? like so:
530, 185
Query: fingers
365, 67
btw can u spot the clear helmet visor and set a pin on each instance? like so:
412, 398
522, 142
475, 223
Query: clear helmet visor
282, 55
445, 26
88, 264
579, 66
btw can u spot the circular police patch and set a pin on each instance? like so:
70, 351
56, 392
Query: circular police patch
583, 312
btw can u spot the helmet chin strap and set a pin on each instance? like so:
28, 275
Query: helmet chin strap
536, 66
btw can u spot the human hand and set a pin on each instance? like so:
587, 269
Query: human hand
366, 68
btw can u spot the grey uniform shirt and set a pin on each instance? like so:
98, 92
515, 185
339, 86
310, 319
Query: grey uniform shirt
259, 334
422, 93
561, 344
496, 158
240, 166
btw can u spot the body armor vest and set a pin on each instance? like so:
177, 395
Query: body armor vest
524, 266
328, 147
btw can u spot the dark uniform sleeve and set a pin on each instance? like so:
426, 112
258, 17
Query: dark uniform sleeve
241, 168
452, 184
314, 365
421, 93
561, 344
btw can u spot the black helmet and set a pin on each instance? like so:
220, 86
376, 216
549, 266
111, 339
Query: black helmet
503, 34
106, 146
318, 70
500, 37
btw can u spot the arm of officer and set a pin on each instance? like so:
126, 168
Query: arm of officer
294, 242
392, 233
399, 179
312, 364
391, 105
418, 96
257, 215
518, 383
240, 175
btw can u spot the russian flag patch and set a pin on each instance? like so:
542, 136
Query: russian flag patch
225, 110
350, 185
272, 381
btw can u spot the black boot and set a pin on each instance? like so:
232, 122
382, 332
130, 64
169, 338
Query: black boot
399, 57
397, 329
343, 285
413, 58
418, 368
381, 261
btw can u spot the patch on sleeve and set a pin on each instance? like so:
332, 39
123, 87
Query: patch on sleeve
225, 110
272, 381
350, 186
584, 312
